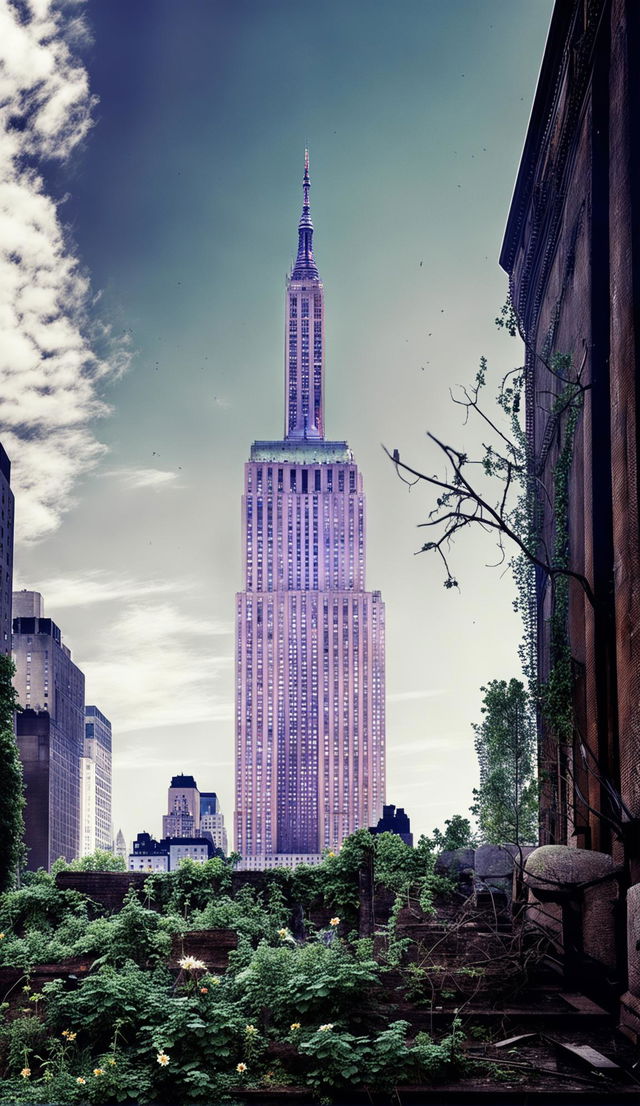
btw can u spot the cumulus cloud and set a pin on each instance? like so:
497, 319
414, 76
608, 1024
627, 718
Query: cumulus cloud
133, 479
156, 666
50, 374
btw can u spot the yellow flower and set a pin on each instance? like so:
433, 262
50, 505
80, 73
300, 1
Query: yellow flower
334, 921
81, 1080
283, 933
98, 1071
241, 1068
295, 1026
162, 1058
250, 1030
26, 1072
111, 1061
1, 936
69, 1034
325, 1028
330, 853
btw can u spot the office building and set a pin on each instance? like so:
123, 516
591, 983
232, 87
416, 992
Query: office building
50, 732
149, 855
95, 784
6, 551
310, 694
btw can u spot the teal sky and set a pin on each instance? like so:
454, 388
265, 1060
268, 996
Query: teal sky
182, 205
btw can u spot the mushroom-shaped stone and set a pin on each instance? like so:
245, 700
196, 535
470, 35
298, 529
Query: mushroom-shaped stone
554, 872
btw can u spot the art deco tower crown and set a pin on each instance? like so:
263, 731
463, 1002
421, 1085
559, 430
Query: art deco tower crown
304, 335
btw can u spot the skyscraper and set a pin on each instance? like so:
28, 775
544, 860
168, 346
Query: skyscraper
6, 551
183, 808
50, 732
310, 697
95, 784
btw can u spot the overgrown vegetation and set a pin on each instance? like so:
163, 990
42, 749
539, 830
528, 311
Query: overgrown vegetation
11, 782
303, 1000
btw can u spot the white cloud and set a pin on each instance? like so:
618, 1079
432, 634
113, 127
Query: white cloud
405, 696
155, 666
147, 757
49, 370
100, 586
142, 478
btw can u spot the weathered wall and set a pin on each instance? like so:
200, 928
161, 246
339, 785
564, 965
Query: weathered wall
572, 251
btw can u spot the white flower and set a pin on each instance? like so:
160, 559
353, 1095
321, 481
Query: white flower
162, 1058
241, 1068
334, 922
190, 964
325, 1028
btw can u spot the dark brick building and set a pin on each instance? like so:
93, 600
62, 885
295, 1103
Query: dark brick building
572, 252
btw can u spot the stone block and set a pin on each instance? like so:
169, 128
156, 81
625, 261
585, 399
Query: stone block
453, 861
555, 872
598, 921
633, 940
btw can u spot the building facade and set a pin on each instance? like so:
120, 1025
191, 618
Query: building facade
572, 252
183, 808
50, 732
166, 855
6, 551
310, 693
95, 784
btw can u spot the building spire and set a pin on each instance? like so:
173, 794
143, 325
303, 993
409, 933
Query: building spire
305, 267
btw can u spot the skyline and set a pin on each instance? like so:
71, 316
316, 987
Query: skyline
165, 222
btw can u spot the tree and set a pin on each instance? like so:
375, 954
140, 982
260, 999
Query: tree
97, 861
457, 834
506, 803
12, 850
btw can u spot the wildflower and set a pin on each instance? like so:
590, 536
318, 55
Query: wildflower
295, 1026
111, 1061
250, 1030
69, 1035
325, 1028
25, 1073
330, 853
334, 922
283, 933
204, 990
241, 1068
1, 936
98, 1071
81, 1081
190, 964
162, 1058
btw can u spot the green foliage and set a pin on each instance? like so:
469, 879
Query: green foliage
307, 982
191, 886
457, 834
98, 861
506, 801
12, 851
133, 1031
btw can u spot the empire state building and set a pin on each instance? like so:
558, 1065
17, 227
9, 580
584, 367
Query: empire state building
310, 676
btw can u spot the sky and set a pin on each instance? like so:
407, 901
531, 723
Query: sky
150, 191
